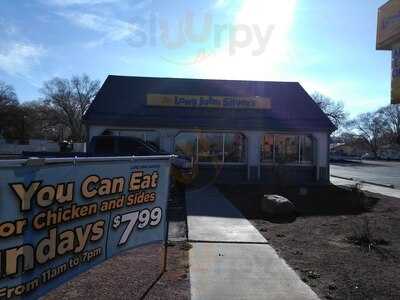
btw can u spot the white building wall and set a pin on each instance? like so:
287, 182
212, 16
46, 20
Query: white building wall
322, 140
253, 146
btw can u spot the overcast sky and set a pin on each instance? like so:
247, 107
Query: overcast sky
328, 46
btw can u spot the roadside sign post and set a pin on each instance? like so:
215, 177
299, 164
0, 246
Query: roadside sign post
59, 217
388, 38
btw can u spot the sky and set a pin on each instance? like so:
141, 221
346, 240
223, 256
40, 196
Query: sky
327, 46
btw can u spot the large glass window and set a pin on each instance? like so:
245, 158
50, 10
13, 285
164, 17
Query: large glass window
209, 147
306, 148
186, 144
267, 148
234, 148
286, 148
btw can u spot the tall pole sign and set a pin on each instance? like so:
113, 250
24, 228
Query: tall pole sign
388, 38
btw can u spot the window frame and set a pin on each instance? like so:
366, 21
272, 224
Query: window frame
245, 148
195, 148
301, 150
299, 162
223, 133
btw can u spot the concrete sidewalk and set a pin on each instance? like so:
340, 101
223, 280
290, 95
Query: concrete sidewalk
213, 218
230, 259
367, 187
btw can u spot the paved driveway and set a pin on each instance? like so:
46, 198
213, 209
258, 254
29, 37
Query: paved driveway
231, 259
381, 172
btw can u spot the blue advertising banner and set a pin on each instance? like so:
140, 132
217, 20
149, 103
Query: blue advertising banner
62, 217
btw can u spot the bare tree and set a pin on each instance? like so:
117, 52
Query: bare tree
10, 114
67, 101
371, 128
7, 95
333, 109
37, 120
391, 114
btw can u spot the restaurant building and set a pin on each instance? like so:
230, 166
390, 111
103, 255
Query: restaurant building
235, 131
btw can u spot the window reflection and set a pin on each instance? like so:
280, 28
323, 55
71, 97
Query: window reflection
306, 150
210, 147
186, 145
234, 149
267, 148
286, 148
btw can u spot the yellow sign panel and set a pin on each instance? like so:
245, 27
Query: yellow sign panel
395, 89
388, 31
202, 101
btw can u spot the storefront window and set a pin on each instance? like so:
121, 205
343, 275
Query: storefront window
234, 147
210, 147
267, 148
285, 148
186, 144
306, 154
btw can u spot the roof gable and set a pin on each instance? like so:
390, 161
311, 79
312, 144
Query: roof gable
122, 102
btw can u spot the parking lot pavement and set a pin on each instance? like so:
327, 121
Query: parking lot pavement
380, 172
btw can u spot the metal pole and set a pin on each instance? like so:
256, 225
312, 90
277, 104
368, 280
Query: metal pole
164, 269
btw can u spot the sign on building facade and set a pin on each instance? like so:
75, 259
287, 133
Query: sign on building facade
203, 101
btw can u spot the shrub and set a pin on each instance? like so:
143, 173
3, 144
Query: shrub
364, 237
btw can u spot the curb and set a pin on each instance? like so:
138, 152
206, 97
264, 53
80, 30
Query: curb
390, 186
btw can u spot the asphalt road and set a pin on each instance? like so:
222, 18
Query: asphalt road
381, 172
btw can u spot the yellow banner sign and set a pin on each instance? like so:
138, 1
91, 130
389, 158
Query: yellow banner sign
388, 31
395, 88
202, 101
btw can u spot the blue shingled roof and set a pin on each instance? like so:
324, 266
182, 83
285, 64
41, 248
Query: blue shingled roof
121, 101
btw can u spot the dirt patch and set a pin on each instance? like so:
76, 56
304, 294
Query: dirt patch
130, 274
319, 244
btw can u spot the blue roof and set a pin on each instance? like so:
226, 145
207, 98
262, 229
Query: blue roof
121, 101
